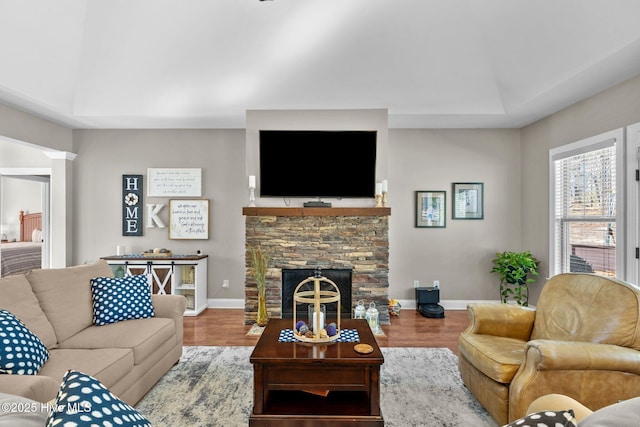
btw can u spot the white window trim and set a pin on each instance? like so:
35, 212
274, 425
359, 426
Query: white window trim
581, 146
632, 195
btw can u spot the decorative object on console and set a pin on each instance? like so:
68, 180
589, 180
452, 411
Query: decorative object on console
317, 298
260, 266
514, 268
468, 200
431, 210
157, 252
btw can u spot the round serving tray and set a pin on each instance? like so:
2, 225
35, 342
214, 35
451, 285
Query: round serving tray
316, 340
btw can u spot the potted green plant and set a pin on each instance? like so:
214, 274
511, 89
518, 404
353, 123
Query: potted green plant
259, 267
513, 269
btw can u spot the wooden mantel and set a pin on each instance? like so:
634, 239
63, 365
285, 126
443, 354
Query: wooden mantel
266, 211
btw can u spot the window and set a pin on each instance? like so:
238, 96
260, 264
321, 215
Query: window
585, 212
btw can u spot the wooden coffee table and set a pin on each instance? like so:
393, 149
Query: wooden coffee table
290, 380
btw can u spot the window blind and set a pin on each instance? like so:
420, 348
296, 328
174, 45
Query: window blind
585, 210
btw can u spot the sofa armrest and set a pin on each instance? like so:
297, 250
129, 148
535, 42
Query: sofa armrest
547, 355
171, 307
594, 374
503, 320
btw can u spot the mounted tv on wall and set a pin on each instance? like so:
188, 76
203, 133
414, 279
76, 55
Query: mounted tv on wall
317, 163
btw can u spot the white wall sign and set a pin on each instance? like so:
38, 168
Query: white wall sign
174, 182
189, 219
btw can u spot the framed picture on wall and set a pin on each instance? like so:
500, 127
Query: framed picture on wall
468, 200
189, 219
431, 209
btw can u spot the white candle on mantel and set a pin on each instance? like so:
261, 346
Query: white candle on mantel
384, 185
378, 188
252, 181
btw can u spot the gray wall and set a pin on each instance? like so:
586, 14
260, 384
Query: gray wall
459, 256
105, 155
611, 109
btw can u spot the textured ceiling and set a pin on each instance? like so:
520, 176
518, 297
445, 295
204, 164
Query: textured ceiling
203, 63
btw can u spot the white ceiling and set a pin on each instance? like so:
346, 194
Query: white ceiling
203, 63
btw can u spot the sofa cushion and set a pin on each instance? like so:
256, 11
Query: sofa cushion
144, 336
21, 351
118, 299
65, 295
622, 414
20, 411
97, 405
499, 358
564, 418
109, 365
17, 297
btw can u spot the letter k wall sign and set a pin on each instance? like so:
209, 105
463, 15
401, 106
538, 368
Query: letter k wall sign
132, 205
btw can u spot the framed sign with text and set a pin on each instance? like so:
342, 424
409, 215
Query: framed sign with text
132, 205
189, 219
174, 182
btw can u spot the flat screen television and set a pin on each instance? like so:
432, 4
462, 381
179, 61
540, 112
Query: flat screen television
317, 163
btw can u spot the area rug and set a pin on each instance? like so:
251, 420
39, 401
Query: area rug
213, 386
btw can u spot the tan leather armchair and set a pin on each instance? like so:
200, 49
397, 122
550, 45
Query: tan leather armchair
582, 340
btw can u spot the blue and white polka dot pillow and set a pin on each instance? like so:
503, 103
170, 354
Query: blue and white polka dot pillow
84, 401
21, 352
117, 299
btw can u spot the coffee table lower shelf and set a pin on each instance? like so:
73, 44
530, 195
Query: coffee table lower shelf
293, 408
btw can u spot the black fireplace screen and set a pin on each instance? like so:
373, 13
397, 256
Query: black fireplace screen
291, 278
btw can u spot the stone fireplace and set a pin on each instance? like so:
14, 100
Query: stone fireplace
355, 239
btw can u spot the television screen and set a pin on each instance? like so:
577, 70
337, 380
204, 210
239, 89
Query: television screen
303, 163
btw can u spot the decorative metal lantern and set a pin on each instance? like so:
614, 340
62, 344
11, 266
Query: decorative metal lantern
317, 331
359, 311
371, 317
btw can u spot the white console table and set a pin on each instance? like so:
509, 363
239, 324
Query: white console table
184, 275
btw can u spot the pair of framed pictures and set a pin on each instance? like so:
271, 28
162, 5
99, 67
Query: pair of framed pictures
468, 203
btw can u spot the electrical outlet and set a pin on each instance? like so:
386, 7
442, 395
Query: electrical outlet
436, 283
225, 283
416, 283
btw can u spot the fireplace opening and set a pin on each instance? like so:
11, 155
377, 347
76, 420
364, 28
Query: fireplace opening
291, 278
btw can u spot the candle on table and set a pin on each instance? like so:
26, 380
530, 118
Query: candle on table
318, 325
384, 186
378, 188
252, 181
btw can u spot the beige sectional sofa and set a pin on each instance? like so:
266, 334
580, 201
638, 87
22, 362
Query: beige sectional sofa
128, 357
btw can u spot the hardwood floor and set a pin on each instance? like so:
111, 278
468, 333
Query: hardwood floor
221, 326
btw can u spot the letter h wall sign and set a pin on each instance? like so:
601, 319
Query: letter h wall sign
132, 205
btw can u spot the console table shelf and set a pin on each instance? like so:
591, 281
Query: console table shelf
184, 275
266, 211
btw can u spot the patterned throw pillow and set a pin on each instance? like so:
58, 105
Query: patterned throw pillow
21, 352
84, 401
547, 418
116, 299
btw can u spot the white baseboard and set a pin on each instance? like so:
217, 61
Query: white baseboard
404, 303
225, 303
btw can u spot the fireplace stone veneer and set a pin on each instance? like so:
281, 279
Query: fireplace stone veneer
354, 238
